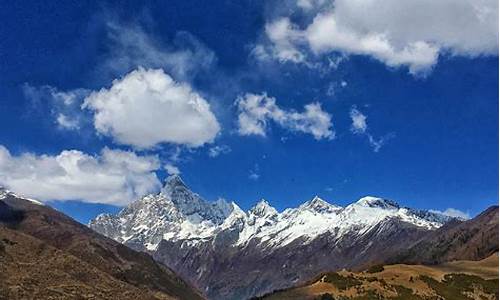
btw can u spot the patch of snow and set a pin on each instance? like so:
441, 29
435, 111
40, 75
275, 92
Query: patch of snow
4, 193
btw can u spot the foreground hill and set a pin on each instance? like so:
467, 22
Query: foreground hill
229, 253
459, 280
46, 255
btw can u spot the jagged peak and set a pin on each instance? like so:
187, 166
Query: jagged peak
177, 190
317, 199
237, 211
263, 208
371, 201
236, 207
174, 180
319, 205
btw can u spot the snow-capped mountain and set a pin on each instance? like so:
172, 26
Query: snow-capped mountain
210, 242
173, 214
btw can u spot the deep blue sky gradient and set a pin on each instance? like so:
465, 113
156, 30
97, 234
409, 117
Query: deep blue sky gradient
444, 152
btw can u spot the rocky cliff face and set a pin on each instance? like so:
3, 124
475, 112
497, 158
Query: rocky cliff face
232, 254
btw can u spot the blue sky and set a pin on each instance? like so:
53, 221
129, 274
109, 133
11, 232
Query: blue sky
250, 100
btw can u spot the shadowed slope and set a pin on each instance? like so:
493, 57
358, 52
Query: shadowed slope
474, 239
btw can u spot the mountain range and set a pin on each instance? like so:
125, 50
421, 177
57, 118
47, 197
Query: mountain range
228, 253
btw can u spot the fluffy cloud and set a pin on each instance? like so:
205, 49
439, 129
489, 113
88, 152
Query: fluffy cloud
397, 33
255, 112
360, 126
452, 212
113, 177
147, 107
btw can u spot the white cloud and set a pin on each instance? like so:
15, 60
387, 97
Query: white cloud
360, 126
452, 212
284, 35
63, 106
218, 150
67, 98
378, 143
409, 33
358, 121
131, 46
333, 87
172, 170
255, 111
112, 177
147, 107
253, 176
66, 122
254, 173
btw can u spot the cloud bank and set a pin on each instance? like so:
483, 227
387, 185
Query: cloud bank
112, 177
130, 46
397, 33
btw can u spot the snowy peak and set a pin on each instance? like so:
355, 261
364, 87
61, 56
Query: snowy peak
263, 209
4, 193
375, 202
173, 184
319, 205
182, 197
174, 180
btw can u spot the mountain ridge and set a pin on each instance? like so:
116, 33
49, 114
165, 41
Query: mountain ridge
192, 210
206, 242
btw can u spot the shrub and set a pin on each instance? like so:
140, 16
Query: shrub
375, 269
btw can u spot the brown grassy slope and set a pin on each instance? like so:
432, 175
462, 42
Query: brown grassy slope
486, 268
51, 228
476, 280
32, 269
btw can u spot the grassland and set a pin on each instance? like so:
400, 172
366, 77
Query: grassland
459, 280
